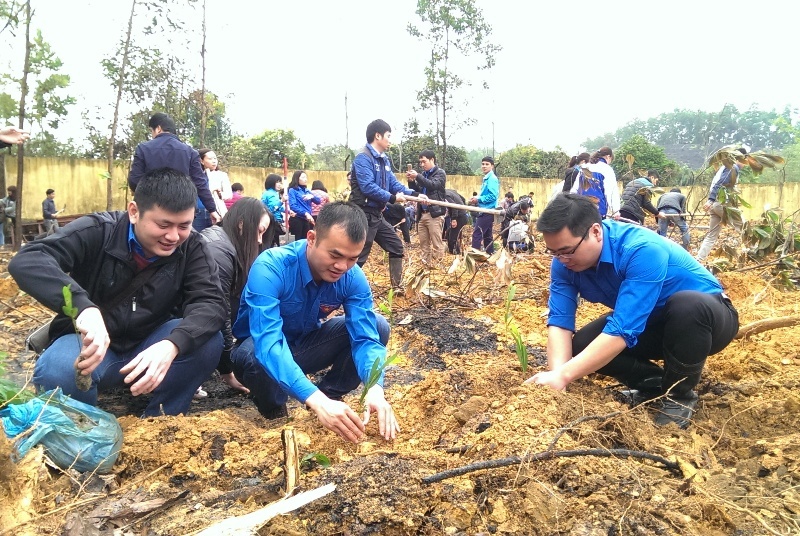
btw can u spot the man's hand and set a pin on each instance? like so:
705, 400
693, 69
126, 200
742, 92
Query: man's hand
661, 215
411, 175
551, 378
375, 402
150, 367
95, 339
399, 198
473, 201
215, 218
336, 416
13, 135
707, 205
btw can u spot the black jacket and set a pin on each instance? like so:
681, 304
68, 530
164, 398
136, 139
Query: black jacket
224, 253
452, 196
430, 183
92, 255
635, 203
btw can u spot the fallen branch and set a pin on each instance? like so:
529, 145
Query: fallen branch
569, 426
768, 263
249, 524
767, 324
291, 460
549, 455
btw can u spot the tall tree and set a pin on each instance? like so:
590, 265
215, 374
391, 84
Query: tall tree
268, 150
452, 27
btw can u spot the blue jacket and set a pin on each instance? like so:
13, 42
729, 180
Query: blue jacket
722, 178
636, 274
272, 200
490, 191
374, 180
166, 150
297, 204
281, 304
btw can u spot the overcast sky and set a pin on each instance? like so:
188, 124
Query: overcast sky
569, 70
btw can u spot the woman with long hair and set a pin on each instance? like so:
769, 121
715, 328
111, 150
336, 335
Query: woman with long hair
300, 199
273, 185
573, 169
218, 181
319, 190
234, 247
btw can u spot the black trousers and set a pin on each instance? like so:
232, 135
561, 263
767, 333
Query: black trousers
384, 234
299, 227
690, 327
454, 234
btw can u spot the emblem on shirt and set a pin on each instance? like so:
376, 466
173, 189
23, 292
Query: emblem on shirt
325, 309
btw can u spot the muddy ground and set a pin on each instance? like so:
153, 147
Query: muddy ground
459, 397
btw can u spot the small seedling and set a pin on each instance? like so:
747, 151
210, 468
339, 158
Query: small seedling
520, 348
378, 366
309, 460
82, 381
386, 306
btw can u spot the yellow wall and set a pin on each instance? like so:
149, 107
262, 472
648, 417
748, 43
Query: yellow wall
79, 185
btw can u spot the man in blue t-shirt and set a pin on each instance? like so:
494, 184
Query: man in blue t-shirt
666, 307
290, 291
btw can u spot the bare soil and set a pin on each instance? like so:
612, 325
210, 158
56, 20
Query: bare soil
459, 395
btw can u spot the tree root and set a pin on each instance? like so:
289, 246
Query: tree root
549, 455
767, 324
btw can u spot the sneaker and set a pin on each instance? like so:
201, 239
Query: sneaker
677, 410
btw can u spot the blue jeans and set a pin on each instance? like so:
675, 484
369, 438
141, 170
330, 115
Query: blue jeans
202, 219
679, 221
329, 346
56, 367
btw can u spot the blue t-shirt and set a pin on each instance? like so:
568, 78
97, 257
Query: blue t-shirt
281, 303
637, 272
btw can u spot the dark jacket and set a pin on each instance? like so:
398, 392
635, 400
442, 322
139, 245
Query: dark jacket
394, 213
432, 184
92, 255
3, 145
569, 178
224, 253
48, 209
372, 183
635, 203
674, 200
452, 196
166, 150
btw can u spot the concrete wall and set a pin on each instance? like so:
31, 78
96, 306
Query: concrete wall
79, 184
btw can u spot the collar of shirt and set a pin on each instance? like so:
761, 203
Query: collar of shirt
305, 271
135, 247
375, 153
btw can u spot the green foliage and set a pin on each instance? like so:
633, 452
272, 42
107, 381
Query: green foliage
378, 366
528, 161
314, 458
452, 28
771, 234
331, 157
268, 149
10, 392
520, 348
386, 306
456, 158
646, 156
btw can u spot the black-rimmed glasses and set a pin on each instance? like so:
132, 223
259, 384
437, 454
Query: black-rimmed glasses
571, 252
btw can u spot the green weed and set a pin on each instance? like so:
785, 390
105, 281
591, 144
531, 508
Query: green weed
378, 366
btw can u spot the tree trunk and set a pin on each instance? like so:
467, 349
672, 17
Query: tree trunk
23, 84
115, 123
203, 112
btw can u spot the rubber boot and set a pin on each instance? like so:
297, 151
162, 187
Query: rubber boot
641, 377
679, 404
396, 273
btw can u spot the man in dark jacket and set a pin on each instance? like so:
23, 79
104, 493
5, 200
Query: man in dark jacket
430, 218
671, 208
166, 150
128, 272
636, 198
49, 212
372, 185
456, 219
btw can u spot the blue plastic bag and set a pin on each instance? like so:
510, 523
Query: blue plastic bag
73, 434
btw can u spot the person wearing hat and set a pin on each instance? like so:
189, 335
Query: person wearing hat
49, 212
490, 191
636, 198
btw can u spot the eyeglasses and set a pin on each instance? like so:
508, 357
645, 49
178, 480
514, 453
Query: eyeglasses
570, 253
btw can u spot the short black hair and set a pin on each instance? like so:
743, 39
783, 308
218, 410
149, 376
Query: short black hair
169, 189
379, 126
574, 211
49, 191
160, 119
488, 159
652, 173
271, 180
342, 214
430, 155
237, 187
676, 190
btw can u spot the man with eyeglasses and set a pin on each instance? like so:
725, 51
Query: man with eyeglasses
666, 307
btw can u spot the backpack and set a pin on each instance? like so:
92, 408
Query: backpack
592, 186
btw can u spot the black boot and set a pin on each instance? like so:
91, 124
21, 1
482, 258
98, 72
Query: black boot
641, 391
396, 273
680, 399
641, 377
